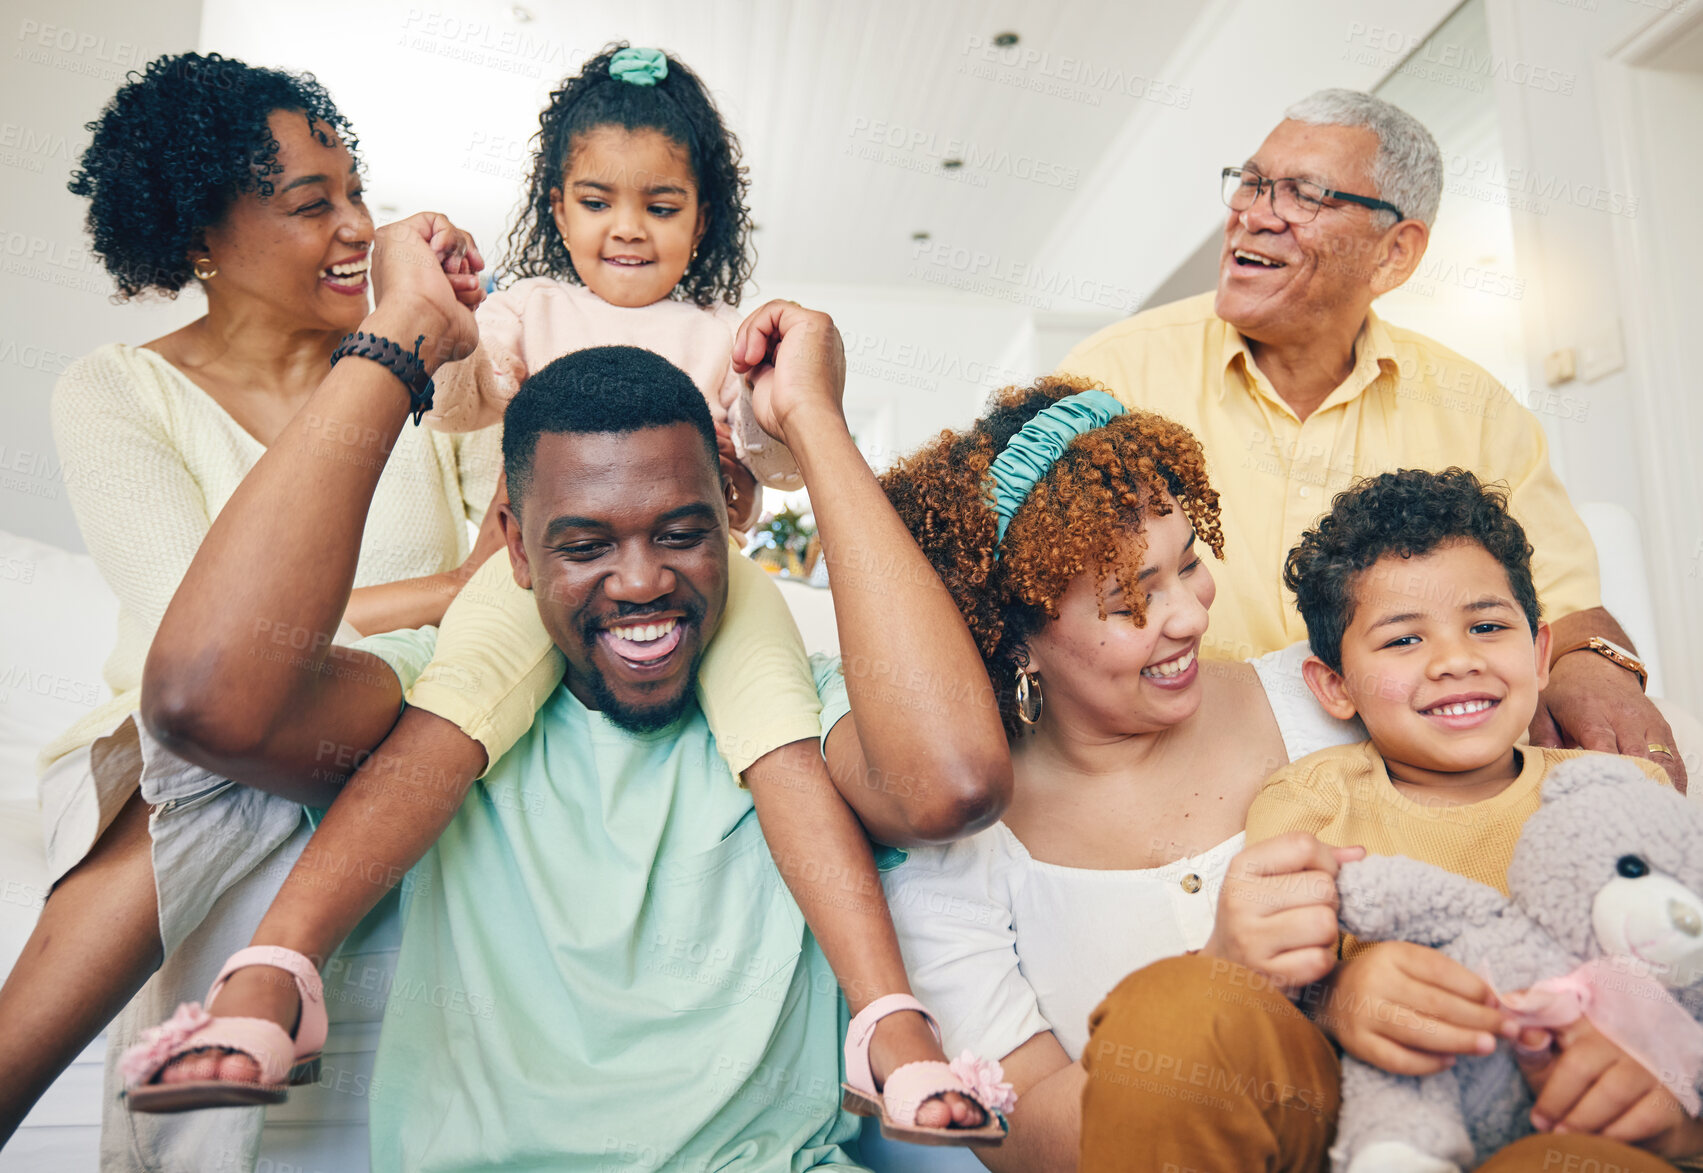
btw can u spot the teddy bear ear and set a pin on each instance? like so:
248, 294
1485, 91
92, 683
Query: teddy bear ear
1597, 769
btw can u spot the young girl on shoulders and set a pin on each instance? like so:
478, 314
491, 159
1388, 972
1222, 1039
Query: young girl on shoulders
634, 232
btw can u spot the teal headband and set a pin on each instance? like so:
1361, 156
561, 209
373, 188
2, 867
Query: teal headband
639, 67
1032, 451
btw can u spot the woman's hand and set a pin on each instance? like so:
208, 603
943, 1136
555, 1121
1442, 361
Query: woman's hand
1585, 1083
1409, 1010
796, 364
1277, 910
425, 281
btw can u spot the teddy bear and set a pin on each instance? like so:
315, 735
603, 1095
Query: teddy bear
1606, 880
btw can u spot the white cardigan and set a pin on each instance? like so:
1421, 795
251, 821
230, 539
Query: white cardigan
149, 459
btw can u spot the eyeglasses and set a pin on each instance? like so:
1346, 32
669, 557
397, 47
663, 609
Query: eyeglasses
1294, 201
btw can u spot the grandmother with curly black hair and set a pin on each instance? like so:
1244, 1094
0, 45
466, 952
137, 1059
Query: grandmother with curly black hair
1077, 539
246, 184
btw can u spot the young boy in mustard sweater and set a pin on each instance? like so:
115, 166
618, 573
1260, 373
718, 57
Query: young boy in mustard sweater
1417, 594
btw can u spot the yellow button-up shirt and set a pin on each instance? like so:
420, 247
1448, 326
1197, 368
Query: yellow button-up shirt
1408, 403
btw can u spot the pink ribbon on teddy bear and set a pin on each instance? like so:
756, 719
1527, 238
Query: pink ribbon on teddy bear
1634, 1011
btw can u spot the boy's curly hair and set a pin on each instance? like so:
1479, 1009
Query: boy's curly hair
678, 106
1405, 514
175, 147
1097, 494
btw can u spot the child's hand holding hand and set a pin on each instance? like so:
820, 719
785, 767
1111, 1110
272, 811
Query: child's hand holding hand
1585, 1083
425, 281
1409, 1009
1277, 910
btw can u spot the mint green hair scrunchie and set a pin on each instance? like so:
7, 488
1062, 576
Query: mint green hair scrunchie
639, 67
1034, 449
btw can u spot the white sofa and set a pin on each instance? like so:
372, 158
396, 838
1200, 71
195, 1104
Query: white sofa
57, 622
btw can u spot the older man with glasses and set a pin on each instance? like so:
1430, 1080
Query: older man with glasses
1295, 387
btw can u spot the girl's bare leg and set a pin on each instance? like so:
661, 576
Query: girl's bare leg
95, 945
388, 816
824, 856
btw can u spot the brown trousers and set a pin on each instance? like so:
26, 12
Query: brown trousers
1201, 1066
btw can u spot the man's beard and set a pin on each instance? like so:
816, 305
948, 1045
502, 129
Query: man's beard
646, 718
650, 718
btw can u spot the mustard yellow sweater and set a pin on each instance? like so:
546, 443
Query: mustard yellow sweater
1345, 797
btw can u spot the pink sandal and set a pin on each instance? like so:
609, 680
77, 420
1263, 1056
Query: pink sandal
909, 1087
283, 1061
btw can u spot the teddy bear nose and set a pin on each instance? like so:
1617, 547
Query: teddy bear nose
1685, 918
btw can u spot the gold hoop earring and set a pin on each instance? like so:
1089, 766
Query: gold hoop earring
1029, 698
211, 271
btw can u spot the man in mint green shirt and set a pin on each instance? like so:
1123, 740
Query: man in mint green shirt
600, 964
601, 967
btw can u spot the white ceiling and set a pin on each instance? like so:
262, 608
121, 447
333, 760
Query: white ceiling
445, 97
1091, 148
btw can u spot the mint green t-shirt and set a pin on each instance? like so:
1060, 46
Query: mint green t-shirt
601, 969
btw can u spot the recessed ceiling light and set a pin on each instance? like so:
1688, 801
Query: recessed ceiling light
1005, 40
919, 235
952, 164
520, 13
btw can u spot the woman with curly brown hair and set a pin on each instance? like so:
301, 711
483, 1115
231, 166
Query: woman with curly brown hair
1085, 584
207, 173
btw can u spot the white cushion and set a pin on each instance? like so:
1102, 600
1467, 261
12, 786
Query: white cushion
58, 622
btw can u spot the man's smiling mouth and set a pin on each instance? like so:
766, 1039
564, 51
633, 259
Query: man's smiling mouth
643, 644
1247, 259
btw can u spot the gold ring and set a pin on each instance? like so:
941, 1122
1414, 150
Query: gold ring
1658, 747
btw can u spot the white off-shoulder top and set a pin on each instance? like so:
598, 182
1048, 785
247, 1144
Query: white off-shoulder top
1001, 946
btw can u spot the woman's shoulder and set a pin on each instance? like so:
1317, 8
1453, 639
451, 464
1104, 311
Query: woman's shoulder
1304, 724
116, 376
115, 362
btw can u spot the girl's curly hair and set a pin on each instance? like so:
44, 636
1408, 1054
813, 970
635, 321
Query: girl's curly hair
678, 106
1100, 490
175, 147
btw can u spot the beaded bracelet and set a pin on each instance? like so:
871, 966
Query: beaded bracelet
397, 361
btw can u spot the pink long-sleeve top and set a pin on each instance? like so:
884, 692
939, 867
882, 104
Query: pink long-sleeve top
537, 320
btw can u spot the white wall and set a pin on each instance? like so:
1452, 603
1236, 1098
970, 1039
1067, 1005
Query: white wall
916, 363
64, 61
1582, 206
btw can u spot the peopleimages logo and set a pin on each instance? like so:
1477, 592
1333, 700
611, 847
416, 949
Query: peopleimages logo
1543, 187
34, 38
1020, 282
1470, 60
970, 156
1068, 76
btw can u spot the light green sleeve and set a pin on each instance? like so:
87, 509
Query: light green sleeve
831, 688
407, 650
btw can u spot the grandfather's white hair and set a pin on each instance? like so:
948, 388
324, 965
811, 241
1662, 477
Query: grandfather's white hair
1408, 168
